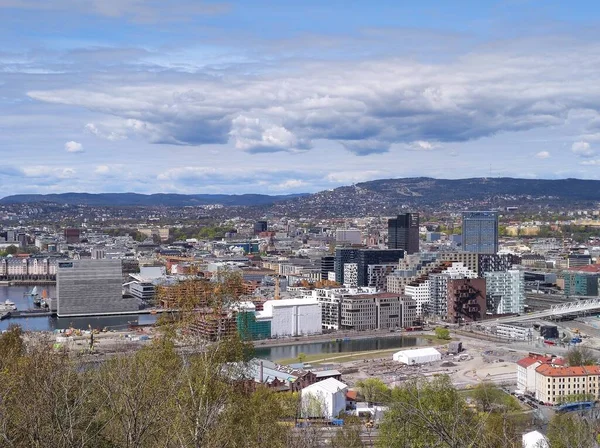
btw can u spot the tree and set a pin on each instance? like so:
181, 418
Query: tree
11, 250
373, 390
571, 431
301, 357
488, 397
348, 436
442, 333
431, 412
581, 356
136, 395
12, 346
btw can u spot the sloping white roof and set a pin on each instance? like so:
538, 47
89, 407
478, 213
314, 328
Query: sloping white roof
330, 385
152, 272
418, 352
535, 439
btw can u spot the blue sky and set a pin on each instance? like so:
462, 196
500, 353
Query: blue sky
282, 97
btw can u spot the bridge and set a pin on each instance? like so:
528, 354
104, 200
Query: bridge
560, 309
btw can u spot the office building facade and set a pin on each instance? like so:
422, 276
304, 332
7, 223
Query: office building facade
327, 266
363, 258
480, 232
91, 287
403, 233
260, 226
505, 291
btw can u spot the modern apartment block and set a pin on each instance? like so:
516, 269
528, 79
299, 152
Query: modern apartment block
580, 283
330, 300
466, 300
351, 275
469, 259
438, 286
505, 291
410, 269
496, 262
363, 309
480, 232
363, 258
403, 233
91, 287
377, 275
419, 292
377, 312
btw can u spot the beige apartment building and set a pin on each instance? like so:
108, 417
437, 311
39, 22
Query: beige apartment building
377, 311
554, 383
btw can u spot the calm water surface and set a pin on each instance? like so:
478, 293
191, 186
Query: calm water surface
356, 345
18, 295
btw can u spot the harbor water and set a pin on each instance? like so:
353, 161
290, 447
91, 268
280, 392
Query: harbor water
337, 346
20, 296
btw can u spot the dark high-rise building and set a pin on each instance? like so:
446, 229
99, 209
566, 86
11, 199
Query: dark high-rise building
480, 232
327, 266
363, 258
403, 232
72, 236
260, 226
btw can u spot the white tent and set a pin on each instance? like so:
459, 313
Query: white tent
534, 439
417, 356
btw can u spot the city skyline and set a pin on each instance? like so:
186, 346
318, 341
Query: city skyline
115, 96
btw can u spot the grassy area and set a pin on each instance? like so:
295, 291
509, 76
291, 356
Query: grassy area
326, 358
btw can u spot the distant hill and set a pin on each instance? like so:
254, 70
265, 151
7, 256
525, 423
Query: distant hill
135, 199
386, 197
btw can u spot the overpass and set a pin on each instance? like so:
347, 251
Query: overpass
560, 309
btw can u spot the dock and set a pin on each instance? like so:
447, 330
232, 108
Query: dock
32, 313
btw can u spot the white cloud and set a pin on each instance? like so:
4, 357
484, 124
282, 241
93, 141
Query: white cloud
543, 155
352, 177
422, 145
108, 135
366, 106
291, 184
582, 149
595, 162
39, 171
261, 135
102, 169
73, 146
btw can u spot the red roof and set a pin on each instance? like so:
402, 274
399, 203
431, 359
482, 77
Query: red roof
593, 268
548, 370
352, 395
526, 362
530, 360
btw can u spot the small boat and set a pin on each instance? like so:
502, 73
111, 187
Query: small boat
37, 300
7, 306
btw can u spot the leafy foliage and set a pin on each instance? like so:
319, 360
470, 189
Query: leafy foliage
442, 333
581, 356
373, 390
571, 431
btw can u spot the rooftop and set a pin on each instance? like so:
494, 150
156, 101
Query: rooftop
548, 370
